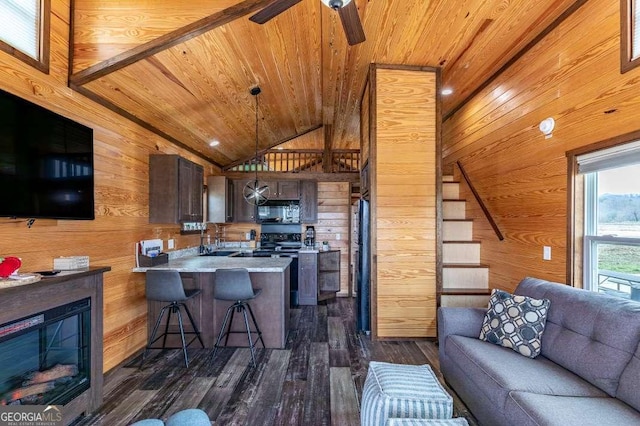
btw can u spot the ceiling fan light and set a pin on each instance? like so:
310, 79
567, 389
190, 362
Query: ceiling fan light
336, 4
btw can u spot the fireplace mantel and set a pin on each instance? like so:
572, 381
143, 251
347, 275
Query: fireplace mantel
29, 299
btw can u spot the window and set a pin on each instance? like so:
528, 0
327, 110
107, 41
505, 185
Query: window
630, 35
24, 31
611, 260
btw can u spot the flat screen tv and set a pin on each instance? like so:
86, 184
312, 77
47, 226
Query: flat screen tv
46, 163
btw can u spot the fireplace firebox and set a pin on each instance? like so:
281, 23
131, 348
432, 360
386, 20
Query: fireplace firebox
45, 358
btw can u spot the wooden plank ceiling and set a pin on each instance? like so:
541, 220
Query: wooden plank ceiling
185, 68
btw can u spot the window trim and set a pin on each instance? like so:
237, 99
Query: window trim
575, 204
41, 64
590, 246
626, 35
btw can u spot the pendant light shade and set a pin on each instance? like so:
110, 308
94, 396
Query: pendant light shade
256, 192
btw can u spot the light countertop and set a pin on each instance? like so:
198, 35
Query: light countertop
211, 263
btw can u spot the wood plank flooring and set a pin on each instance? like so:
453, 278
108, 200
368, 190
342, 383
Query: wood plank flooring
316, 380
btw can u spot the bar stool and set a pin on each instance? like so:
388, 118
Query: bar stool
235, 285
166, 286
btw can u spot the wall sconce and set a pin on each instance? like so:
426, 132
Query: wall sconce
546, 127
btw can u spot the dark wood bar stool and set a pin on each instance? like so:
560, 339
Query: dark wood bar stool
166, 286
235, 285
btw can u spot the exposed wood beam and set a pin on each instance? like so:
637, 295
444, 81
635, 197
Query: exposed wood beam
326, 157
559, 20
107, 104
280, 142
167, 41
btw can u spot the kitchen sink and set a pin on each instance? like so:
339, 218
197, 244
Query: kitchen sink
218, 253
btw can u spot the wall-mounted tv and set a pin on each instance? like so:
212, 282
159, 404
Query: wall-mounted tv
46, 163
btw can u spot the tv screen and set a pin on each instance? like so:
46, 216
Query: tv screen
46, 163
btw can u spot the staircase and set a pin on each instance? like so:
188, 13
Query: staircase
465, 281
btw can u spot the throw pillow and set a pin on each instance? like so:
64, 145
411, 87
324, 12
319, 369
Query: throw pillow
515, 322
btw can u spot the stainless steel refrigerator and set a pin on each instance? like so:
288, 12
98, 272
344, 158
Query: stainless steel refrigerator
363, 297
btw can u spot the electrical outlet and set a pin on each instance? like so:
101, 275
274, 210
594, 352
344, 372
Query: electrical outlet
337, 236
546, 253
170, 244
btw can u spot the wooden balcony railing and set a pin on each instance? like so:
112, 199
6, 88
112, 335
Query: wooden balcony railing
302, 160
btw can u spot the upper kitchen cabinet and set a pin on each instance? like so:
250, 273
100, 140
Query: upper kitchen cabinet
284, 190
219, 199
400, 107
308, 201
176, 188
242, 211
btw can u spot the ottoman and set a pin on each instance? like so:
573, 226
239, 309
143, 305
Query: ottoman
188, 417
460, 421
405, 391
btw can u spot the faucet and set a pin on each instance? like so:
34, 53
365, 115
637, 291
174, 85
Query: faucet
202, 249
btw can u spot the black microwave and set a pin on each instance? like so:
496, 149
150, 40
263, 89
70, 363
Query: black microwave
279, 212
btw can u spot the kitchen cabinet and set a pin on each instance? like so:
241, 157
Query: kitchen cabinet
219, 199
284, 190
241, 210
175, 189
238, 210
318, 276
364, 181
308, 201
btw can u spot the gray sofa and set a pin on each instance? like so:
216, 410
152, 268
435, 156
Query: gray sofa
588, 372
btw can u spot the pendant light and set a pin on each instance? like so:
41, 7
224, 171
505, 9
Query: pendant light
254, 192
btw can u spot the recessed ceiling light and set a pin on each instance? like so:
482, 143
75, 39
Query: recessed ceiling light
446, 91
280, 147
214, 143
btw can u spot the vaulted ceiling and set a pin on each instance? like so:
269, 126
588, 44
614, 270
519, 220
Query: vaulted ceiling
184, 69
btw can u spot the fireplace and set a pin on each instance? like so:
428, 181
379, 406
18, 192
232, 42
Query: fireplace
49, 354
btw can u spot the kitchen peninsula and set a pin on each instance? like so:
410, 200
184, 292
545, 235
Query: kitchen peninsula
271, 307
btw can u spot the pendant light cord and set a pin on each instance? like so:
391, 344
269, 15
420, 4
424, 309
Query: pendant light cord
256, 183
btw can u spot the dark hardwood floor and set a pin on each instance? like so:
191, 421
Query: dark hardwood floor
316, 380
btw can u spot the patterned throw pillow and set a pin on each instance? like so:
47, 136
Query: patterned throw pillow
515, 322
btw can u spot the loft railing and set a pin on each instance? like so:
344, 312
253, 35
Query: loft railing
302, 160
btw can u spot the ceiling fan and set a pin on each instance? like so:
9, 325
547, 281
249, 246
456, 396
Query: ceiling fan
347, 10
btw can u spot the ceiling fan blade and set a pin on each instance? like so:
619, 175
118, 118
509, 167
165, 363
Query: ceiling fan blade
351, 23
272, 10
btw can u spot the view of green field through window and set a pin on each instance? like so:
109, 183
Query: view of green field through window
619, 217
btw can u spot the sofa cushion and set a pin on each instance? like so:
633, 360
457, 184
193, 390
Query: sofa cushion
525, 408
495, 371
515, 322
629, 388
591, 334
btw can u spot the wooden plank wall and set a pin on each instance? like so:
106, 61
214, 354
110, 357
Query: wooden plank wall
334, 218
572, 75
121, 185
403, 202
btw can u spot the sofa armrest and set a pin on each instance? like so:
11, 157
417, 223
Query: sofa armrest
465, 322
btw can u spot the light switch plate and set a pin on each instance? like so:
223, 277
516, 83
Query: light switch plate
546, 253
170, 244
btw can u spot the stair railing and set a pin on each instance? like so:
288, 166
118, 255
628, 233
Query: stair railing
492, 222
